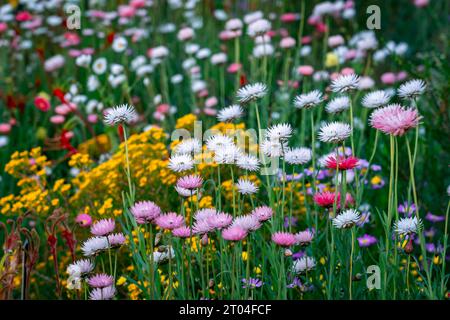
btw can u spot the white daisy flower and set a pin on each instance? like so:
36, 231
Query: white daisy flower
408, 225
180, 162
345, 83
185, 192
263, 50
234, 24
218, 142
251, 92
375, 99
99, 66
346, 219
303, 264
80, 267
334, 132
308, 100
188, 146
83, 60
119, 44
94, 245
247, 222
227, 155
338, 104
412, 89
230, 113
273, 148
123, 113
298, 155
281, 131
219, 58
248, 162
258, 27
245, 186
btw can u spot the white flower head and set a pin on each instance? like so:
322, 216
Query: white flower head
412, 89
258, 27
308, 100
334, 132
298, 156
230, 113
188, 146
185, 192
303, 264
94, 245
180, 162
248, 162
408, 225
338, 104
245, 186
100, 65
273, 148
376, 99
247, 222
346, 219
218, 142
251, 92
281, 132
80, 267
345, 83
227, 155
119, 44
123, 113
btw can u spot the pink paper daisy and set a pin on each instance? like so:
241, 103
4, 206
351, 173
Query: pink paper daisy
103, 227
190, 182
262, 213
145, 211
395, 119
234, 234
101, 280
284, 239
170, 221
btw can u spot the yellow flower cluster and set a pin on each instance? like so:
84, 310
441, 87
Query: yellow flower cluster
35, 196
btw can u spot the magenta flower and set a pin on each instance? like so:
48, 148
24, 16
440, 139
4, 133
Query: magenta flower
262, 213
219, 220
145, 211
116, 239
181, 232
284, 239
170, 221
366, 240
304, 238
395, 119
103, 227
84, 220
106, 293
234, 234
101, 280
190, 182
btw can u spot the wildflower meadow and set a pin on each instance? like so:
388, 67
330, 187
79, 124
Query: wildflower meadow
224, 150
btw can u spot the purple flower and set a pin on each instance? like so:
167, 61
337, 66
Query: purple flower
262, 213
366, 240
116, 239
145, 211
290, 222
407, 209
375, 167
296, 283
101, 280
170, 221
434, 218
106, 293
251, 283
190, 182
103, 227
181, 232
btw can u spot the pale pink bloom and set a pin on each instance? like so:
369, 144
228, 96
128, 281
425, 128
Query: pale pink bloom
170, 221
234, 67
185, 34
247, 222
351, 54
287, 42
116, 239
284, 239
305, 70
5, 128
421, 3
388, 78
234, 234
57, 119
181, 232
210, 112
163, 108
336, 40
126, 11
204, 214
3, 27
395, 119
83, 220
211, 102
262, 213
304, 238
219, 220
289, 17
103, 227
137, 3
190, 182
202, 227
145, 211
402, 75
92, 118
347, 71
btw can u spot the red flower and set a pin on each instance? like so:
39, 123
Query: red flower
344, 163
42, 104
326, 199
57, 92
